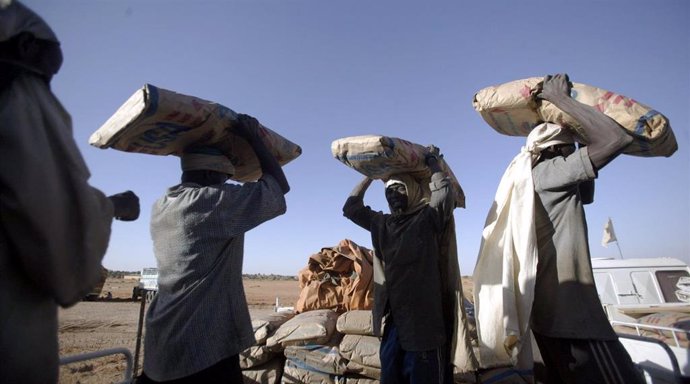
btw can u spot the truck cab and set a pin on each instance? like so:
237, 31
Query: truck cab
647, 302
631, 288
148, 284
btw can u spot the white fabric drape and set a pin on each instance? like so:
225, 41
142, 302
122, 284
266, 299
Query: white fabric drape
505, 272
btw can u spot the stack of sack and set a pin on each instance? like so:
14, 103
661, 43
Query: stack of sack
360, 347
309, 343
259, 363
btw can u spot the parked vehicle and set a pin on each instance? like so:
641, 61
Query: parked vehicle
98, 288
635, 291
148, 284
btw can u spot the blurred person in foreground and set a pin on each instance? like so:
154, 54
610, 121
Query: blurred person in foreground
548, 184
409, 300
199, 322
54, 227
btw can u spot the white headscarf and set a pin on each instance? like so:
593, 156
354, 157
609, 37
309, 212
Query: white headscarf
416, 198
506, 267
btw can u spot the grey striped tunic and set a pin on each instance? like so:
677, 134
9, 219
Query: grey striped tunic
200, 314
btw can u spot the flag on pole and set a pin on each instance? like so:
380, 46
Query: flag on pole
609, 234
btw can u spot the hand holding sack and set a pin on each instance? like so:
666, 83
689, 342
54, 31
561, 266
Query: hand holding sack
513, 109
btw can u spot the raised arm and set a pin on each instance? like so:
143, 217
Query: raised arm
441, 190
248, 128
605, 138
360, 189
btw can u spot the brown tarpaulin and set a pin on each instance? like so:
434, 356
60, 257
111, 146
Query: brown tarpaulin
338, 278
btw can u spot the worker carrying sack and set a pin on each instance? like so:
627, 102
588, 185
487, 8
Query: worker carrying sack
379, 157
513, 109
162, 122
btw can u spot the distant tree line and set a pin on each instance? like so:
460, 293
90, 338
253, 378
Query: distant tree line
252, 276
261, 276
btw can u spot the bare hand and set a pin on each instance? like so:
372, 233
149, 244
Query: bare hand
125, 206
555, 87
432, 156
247, 127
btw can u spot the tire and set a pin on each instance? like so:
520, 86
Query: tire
149, 296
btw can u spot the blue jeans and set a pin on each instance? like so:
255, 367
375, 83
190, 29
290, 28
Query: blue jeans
411, 367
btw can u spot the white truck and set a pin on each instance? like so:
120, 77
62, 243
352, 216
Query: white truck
635, 289
148, 284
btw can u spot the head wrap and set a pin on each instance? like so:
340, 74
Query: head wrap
206, 159
546, 135
416, 197
16, 18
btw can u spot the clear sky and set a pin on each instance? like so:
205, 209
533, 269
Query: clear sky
316, 71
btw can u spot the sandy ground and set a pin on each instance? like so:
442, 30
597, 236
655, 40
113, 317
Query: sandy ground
105, 324
98, 325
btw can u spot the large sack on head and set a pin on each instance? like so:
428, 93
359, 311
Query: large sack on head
162, 122
308, 328
513, 109
379, 157
338, 278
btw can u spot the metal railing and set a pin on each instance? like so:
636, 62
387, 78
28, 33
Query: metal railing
102, 353
649, 327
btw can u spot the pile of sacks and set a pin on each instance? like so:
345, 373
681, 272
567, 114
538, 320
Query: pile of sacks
329, 338
262, 363
319, 346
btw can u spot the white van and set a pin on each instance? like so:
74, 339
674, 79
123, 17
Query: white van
633, 288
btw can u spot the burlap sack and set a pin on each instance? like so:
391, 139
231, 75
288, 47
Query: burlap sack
265, 326
379, 157
678, 320
322, 358
512, 109
354, 367
255, 356
337, 278
296, 373
308, 328
358, 322
269, 373
361, 349
357, 379
162, 122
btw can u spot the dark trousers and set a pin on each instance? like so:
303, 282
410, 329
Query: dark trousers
226, 371
411, 367
585, 361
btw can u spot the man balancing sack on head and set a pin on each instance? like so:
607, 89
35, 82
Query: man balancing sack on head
410, 293
542, 238
199, 322
54, 227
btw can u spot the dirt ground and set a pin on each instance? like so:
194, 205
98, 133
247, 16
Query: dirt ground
105, 324
112, 323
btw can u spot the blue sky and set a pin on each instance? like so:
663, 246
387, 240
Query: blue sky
316, 71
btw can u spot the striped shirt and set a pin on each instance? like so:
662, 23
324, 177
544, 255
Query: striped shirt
200, 314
